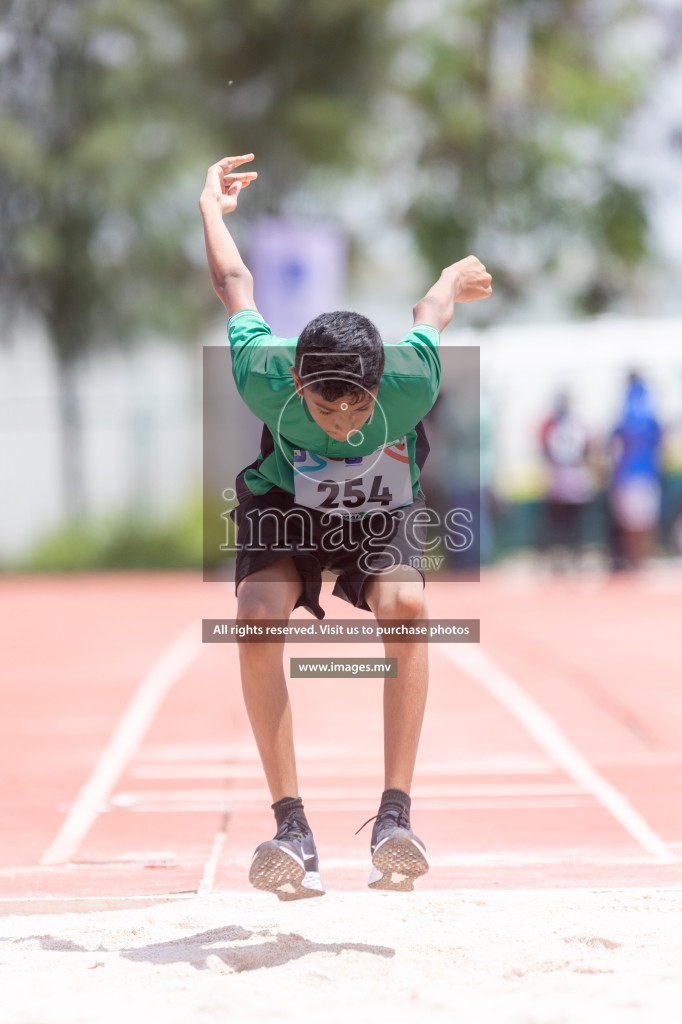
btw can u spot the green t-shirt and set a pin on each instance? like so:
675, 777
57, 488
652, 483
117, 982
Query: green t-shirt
261, 366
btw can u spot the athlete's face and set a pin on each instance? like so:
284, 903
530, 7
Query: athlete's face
342, 417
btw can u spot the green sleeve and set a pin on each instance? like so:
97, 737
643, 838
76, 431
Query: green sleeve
246, 327
260, 361
417, 356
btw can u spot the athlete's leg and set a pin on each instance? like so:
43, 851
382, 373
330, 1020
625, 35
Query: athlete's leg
269, 593
398, 855
398, 593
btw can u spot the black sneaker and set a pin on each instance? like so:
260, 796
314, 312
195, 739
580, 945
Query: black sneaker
398, 855
287, 865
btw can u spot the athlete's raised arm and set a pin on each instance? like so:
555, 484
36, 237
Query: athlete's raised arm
464, 281
230, 277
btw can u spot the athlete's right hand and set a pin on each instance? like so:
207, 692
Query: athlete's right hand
222, 186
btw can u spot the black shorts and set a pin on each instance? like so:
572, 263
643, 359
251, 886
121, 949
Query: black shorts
272, 527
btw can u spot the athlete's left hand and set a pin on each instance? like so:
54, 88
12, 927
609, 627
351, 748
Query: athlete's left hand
472, 280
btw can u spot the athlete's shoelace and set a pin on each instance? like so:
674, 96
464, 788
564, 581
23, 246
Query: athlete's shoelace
292, 828
402, 820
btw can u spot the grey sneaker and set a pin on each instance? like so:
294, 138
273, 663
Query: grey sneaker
398, 855
287, 865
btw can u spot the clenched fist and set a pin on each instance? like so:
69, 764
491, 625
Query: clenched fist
472, 280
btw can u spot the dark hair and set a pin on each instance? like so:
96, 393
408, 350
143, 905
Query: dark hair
345, 347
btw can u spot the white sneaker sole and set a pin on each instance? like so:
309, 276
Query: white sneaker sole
397, 862
276, 870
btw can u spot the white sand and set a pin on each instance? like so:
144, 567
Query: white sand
608, 957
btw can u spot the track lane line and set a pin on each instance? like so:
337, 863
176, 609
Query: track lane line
479, 666
344, 793
211, 865
224, 771
133, 724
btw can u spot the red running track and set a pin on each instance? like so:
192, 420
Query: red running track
551, 754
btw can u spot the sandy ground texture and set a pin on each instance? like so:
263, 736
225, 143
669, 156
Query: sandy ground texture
613, 957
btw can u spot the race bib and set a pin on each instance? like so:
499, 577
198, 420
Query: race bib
355, 485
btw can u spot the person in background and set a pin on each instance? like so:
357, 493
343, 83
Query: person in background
565, 447
634, 496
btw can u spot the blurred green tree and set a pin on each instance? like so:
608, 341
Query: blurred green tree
111, 109
92, 147
292, 81
522, 106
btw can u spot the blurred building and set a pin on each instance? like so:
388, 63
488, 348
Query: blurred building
142, 413
140, 434
141, 410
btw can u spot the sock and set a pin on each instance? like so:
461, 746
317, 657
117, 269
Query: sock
396, 796
285, 806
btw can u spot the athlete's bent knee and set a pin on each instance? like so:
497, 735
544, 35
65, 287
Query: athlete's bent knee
407, 603
260, 606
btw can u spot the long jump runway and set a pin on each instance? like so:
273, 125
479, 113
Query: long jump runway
551, 754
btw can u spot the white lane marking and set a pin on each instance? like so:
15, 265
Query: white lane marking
224, 769
210, 806
28, 905
478, 665
486, 860
211, 865
124, 740
39, 905
159, 796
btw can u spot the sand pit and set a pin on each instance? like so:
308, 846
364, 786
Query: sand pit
541, 957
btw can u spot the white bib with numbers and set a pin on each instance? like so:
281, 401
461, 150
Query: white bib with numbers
356, 485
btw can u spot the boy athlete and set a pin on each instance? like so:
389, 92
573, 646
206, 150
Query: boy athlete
335, 486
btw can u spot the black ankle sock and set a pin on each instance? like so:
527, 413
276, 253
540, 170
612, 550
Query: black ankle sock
396, 796
285, 806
